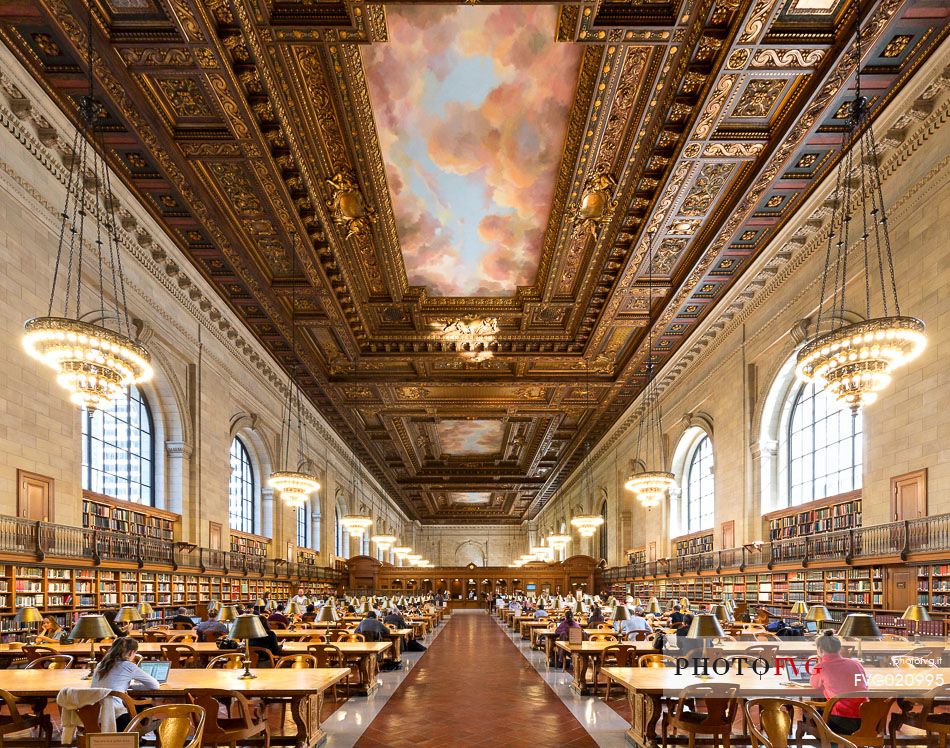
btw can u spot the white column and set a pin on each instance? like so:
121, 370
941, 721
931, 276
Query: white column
174, 490
267, 513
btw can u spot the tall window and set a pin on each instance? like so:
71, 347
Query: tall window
303, 526
341, 537
241, 490
823, 447
117, 449
364, 544
603, 531
700, 487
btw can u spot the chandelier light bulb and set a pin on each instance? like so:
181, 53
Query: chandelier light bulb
587, 524
650, 487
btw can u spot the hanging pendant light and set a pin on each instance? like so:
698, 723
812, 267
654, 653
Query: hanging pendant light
94, 363
854, 362
558, 541
384, 541
587, 524
293, 486
356, 524
650, 486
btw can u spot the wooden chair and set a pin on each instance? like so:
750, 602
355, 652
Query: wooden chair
656, 660
261, 657
351, 638
179, 655
228, 730
767, 652
182, 626
89, 714
767, 636
156, 635
313, 639
618, 655
35, 651
873, 715
638, 636
230, 661
294, 662
927, 713
604, 638
50, 662
721, 703
185, 637
179, 725
15, 721
776, 722
210, 636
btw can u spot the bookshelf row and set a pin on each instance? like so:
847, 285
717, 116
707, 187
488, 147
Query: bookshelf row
693, 544
827, 516
66, 593
849, 588
103, 513
251, 545
933, 587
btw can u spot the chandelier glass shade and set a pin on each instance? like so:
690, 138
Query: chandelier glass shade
541, 552
558, 541
384, 542
587, 524
91, 345
412, 558
650, 486
294, 488
401, 551
356, 524
854, 361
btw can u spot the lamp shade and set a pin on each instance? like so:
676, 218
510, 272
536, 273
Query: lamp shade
704, 624
654, 607
637, 603
327, 614
128, 614
799, 608
916, 613
28, 614
684, 603
145, 609
247, 626
91, 626
227, 613
621, 613
721, 613
818, 613
860, 625
366, 607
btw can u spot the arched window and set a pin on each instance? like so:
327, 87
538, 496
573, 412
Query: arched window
821, 449
700, 487
603, 531
303, 526
118, 457
342, 545
241, 489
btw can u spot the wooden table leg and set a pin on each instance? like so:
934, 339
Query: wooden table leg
645, 712
306, 711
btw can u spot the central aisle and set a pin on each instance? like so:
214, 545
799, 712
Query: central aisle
474, 688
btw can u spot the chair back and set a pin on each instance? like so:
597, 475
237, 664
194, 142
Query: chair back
327, 655
209, 636
873, 714
656, 660
618, 655
261, 657
182, 626
297, 661
186, 637
230, 729
156, 635
638, 636
230, 661
35, 651
180, 726
767, 652
774, 720
937, 699
314, 638
347, 637
89, 714
50, 662
603, 638
179, 655
720, 700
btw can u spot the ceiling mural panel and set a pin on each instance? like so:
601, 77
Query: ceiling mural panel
471, 107
468, 190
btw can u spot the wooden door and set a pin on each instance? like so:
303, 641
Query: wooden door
214, 535
728, 534
34, 496
901, 588
909, 496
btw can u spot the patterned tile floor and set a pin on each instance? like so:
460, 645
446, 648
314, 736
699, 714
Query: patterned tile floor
474, 688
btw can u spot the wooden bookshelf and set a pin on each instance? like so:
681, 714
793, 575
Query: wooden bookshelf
839, 512
251, 545
933, 587
105, 513
697, 542
637, 556
307, 556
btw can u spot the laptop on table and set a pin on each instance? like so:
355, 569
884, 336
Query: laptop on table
158, 669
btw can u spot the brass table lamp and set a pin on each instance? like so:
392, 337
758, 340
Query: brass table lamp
654, 607
247, 627
621, 613
91, 627
128, 614
227, 613
704, 626
818, 614
327, 614
916, 613
859, 626
721, 612
28, 615
801, 610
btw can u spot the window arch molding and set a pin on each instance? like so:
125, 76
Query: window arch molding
696, 428
771, 453
244, 426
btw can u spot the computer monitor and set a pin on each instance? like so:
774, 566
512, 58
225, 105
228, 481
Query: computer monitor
796, 671
811, 627
158, 669
196, 620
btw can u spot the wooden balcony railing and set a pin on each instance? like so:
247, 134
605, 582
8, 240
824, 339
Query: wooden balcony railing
40, 540
903, 540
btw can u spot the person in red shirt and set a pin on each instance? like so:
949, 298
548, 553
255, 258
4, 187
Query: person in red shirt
837, 675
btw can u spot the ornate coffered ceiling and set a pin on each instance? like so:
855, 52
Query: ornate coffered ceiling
256, 128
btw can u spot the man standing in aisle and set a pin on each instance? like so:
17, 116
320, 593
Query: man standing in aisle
300, 599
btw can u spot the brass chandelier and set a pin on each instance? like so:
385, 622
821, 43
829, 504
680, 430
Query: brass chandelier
94, 363
855, 361
357, 524
293, 486
587, 524
650, 486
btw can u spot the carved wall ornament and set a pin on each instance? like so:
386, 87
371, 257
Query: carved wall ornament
732, 150
598, 203
805, 59
347, 206
759, 97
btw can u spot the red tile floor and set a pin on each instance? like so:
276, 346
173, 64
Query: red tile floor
474, 688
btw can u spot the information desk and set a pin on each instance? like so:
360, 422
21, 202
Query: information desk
304, 687
647, 687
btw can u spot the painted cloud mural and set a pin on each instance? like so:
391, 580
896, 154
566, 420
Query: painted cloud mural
471, 106
478, 437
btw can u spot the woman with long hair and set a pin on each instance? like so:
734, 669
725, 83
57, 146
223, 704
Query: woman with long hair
837, 675
117, 672
50, 631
